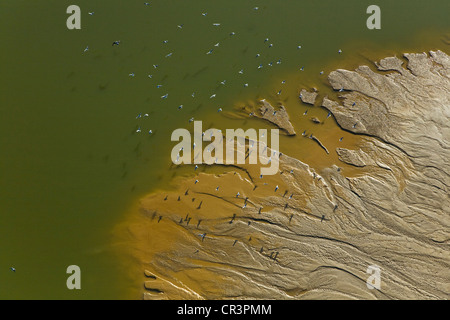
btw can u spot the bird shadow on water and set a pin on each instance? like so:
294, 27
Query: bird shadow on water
137, 150
199, 107
202, 70
102, 87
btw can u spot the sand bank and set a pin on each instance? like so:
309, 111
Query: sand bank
303, 234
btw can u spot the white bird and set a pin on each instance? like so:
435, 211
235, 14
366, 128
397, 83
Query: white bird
138, 129
165, 41
267, 39
299, 47
219, 110
204, 14
216, 24
217, 44
223, 82
150, 76
146, 115
245, 84
150, 131
212, 96
232, 33
131, 74
180, 26
241, 71
91, 13
258, 55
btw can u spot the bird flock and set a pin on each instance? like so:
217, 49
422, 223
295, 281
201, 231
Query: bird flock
259, 65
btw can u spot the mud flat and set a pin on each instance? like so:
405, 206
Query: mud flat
302, 234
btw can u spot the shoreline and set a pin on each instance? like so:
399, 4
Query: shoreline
222, 217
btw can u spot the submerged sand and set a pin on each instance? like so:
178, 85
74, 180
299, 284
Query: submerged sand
315, 235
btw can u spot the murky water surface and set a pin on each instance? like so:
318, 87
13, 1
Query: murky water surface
72, 164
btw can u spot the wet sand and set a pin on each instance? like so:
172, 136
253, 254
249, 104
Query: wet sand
311, 232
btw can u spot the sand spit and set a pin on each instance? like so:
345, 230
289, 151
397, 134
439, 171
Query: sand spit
279, 117
303, 234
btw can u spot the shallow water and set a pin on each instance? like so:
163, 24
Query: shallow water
72, 164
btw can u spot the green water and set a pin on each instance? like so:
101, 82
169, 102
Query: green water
71, 162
